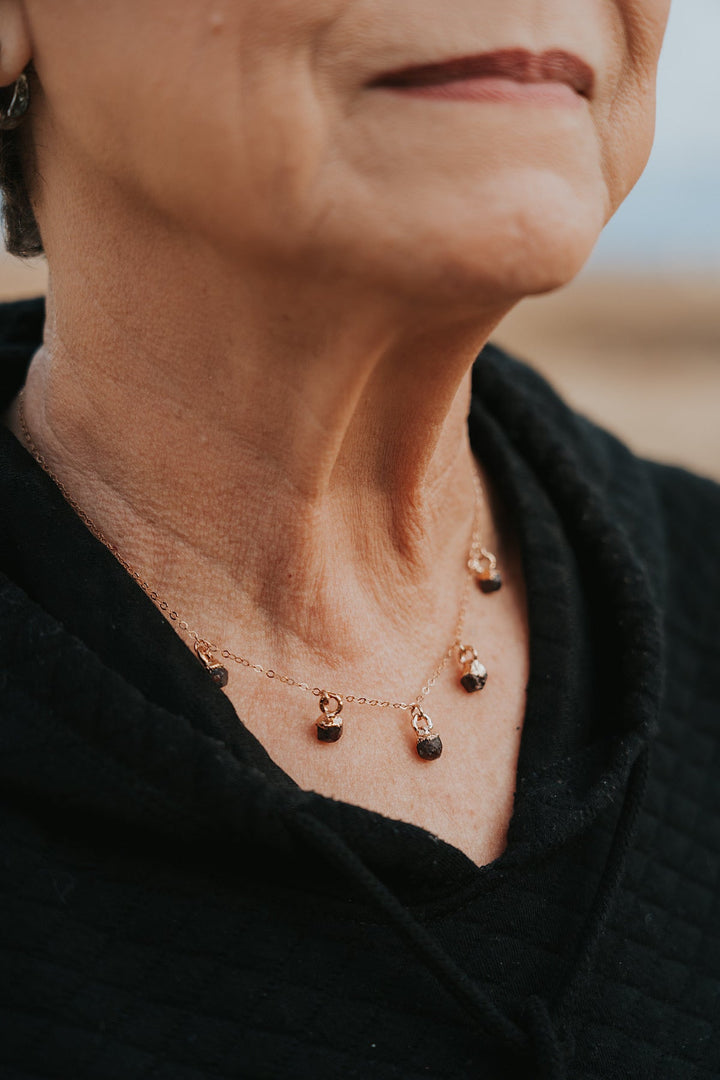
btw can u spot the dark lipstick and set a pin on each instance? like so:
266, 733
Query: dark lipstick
519, 65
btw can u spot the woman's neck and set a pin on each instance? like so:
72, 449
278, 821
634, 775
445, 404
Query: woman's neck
287, 464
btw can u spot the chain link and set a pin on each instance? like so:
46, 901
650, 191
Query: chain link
476, 554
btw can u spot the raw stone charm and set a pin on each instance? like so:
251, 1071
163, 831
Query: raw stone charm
474, 674
219, 674
474, 677
429, 744
483, 565
430, 747
491, 583
329, 732
217, 671
329, 725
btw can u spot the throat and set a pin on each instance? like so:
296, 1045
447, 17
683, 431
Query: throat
465, 796
329, 533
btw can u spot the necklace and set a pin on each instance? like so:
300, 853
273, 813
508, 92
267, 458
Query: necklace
482, 567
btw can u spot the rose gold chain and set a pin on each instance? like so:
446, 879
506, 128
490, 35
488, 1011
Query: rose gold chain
476, 552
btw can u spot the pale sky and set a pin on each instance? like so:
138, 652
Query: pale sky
672, 218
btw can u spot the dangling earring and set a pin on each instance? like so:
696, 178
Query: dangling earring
11, 116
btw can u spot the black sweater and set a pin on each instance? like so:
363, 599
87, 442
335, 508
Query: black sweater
174, 907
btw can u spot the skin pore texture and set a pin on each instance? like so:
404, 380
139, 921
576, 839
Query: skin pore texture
268, 282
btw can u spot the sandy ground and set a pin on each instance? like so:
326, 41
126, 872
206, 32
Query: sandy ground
641, 355
638, 354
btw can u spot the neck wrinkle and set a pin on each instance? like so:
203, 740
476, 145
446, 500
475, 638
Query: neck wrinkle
323, 470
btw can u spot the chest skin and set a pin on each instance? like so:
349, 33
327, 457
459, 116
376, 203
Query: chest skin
466, 796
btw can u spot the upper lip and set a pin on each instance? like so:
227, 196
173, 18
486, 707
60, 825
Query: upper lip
553, 65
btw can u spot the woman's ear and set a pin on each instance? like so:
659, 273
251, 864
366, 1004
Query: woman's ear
15, 48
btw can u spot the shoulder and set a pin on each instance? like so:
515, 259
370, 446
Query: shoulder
535, 412
689, 510
658, 525
21, 331
670, 514
21, 325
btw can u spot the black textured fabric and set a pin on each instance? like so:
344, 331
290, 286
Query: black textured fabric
174, 907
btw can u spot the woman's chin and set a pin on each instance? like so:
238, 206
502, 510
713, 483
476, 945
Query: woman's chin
496, 242
471, 267
460, 245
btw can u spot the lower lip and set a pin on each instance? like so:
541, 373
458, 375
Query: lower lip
493, 89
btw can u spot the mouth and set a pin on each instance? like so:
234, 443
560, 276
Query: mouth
555, 66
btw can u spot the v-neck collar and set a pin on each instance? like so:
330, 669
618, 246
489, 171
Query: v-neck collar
592, 689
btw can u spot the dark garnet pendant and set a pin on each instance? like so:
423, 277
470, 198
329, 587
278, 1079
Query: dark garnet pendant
491, 583
219, 674
483, 564
329, 725
430, 747
474, 674
329, 732
474, 677
429, 743
473, 682
217, 671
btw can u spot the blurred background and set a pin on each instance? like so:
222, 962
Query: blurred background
634, 341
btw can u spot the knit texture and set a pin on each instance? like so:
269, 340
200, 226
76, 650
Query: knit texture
174, 907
